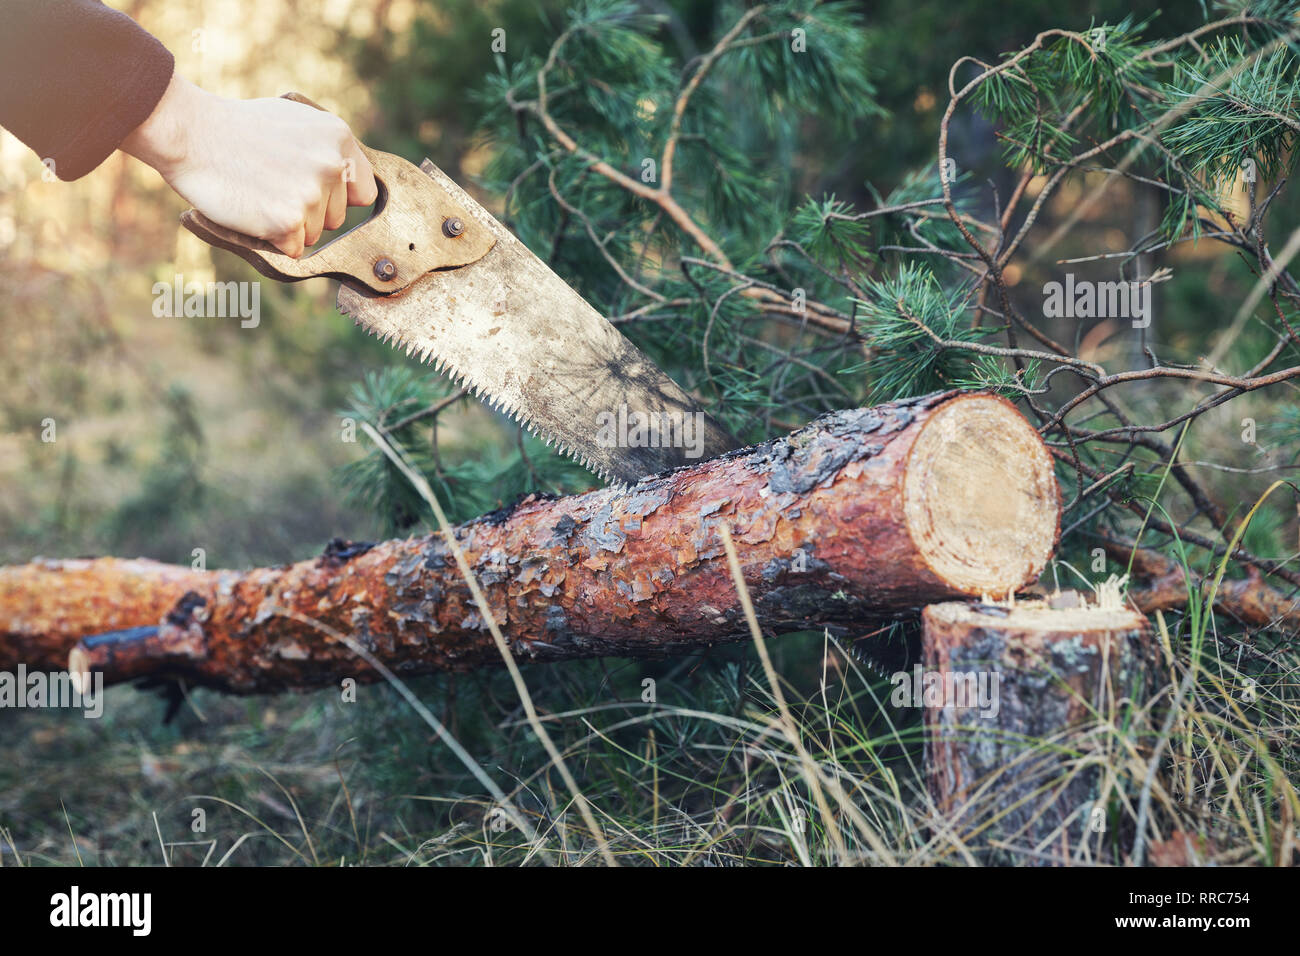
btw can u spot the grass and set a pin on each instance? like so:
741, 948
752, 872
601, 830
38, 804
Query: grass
715, 770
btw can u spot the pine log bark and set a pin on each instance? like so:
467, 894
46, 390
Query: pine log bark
48, 605
1014, 782
860, 513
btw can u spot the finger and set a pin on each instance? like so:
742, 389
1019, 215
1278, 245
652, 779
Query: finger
336, 208
291, 243
315, 220
362, 190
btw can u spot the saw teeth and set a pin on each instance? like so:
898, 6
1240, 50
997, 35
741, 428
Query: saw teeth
444, 366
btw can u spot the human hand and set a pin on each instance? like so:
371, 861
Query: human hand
274, 169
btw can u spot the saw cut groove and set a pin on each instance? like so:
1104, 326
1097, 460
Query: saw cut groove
822, 521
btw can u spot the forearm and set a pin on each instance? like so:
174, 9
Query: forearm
161, 140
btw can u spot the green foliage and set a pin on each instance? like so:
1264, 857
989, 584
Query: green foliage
391, 400
748, 144
906, 313
405, 404
1080, 80
990, 374
172, 489
1284, 432
828, 232
1235, 107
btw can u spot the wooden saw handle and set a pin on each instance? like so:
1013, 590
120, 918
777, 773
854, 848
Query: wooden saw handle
415, 227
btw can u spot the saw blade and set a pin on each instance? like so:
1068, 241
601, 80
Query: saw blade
512, 332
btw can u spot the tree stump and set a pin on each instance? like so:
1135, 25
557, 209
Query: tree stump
1017, 777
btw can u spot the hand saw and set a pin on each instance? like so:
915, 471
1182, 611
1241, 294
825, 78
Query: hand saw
433, 272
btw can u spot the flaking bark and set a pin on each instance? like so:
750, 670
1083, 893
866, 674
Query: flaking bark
817, 517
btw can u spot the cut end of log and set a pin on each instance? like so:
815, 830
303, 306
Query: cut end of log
980, 497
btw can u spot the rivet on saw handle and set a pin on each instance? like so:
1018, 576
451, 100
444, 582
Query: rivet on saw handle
408, 234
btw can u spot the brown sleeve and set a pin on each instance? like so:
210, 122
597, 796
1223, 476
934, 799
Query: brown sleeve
76, 78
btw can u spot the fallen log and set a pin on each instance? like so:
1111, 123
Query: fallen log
1016, 719
862, 512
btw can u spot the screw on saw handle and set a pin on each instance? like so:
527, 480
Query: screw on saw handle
415, 227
